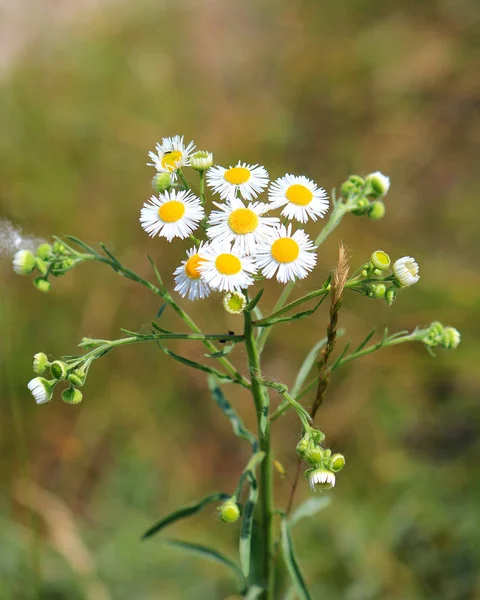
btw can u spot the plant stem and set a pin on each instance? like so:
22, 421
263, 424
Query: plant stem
266, 507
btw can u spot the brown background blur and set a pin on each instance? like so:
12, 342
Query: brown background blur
322, 89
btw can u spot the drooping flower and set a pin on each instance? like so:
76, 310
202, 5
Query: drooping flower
41, 389
290, 256
249, 180
171, 154
321, 479
225, 270
300, 197
406, 271
172, 214
245, 226
23, 262
188, 277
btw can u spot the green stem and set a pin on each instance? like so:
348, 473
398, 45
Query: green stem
289, 307
266, 506
183, 180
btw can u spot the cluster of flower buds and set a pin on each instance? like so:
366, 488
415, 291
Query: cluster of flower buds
49, 259
439, 335
324, 464
368, 193
42, 388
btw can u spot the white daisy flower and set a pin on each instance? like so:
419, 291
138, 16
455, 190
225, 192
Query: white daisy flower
41, 390
321, 479
172, 214
171, 154
290, 256
301, 198
23, 262
245, 226
188, 277
406, 270
379, 182
225, 270
249, 180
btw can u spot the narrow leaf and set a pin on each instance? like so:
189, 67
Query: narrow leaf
226, 350
113, 258
79, 243
247, 513
182, 513
339, 359
231, 414
195, 365
160, 329
210, 554
291, 563
253, 303
309, 508
160, 310
306, 367
254, 592
365, 341
155, 270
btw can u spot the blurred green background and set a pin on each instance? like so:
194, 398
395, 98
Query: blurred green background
317, 88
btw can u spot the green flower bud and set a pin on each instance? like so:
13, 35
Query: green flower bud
44, 251
72, 396
320, 479
201, 160
229, 512
234, 303
314, 455
380, 260
43, 285
161, 182
59, 369
77, 377
357, 180
327, 453
378, 290
376, 210
347, 188
317, 436
337, 462
40, 363
362, 207
390, 295
379, 183
41, 266
58, 247
23, 262
451, 338
42, 390
303, 445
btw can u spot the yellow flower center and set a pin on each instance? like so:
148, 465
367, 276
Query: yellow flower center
412, 267
170, 160
299, 195
285, 250
191, 266
171, 211
237, 175
228, 264
242, 221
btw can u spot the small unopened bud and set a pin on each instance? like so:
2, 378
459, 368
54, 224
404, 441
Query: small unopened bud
376, 210
347, 188
41, 265
378, 290
59, 369
77, 377
379, 183
42, 390
357, 180
234, 303
317, 436
23, 262
337, 462
451, 338
58, 247
390, 296
314, 455
43, 285
303, 445
161, 182
380, 260
40, 363
44, 251
72, 396
320, 479
229, 512
362, 207
201, 160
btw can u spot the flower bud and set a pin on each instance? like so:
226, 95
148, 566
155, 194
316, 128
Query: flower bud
380, 260
362, 207
23, 262
378, 290
317, 436
201, 160
43, 285
161, 182
303, 445
40, 363
357, 180
42, 390
390, 296
72, 396
59, 369
337, 462
44, 251
234, 303
314, 455
379, 183
58, 247
229, 512
320, 479
406, 271
41, 266
451, 338
376, 210
347, 188
77, 377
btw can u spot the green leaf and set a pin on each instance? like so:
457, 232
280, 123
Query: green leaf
231, 414
160, 329
182, 513
247, 512
253, 303
306, 367
155, 270
160, 310
339, 359
253, 592
226, 350
112, 257
291, 563
309, 508
365, 341
196, 365
210, 554
79, 243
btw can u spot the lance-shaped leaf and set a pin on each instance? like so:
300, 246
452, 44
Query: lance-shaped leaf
75, 240
269, 321
231, 414
210, 554
254, 592
221, 353
291, 563
248, 510
253, 303
307, 366
196, 365
184, 512
309, 508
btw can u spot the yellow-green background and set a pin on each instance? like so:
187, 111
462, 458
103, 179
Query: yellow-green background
318, 88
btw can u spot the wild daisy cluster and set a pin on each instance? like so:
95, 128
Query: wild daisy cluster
324, 464
241, 241
60, 371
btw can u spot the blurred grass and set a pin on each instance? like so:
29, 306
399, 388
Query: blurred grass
321, 89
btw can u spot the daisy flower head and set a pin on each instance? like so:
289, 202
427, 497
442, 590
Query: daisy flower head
301, 198
321, 479
188, 277
226, 270
171, 154
245, 226
290, 256
406, 271
172, 214
249, 180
